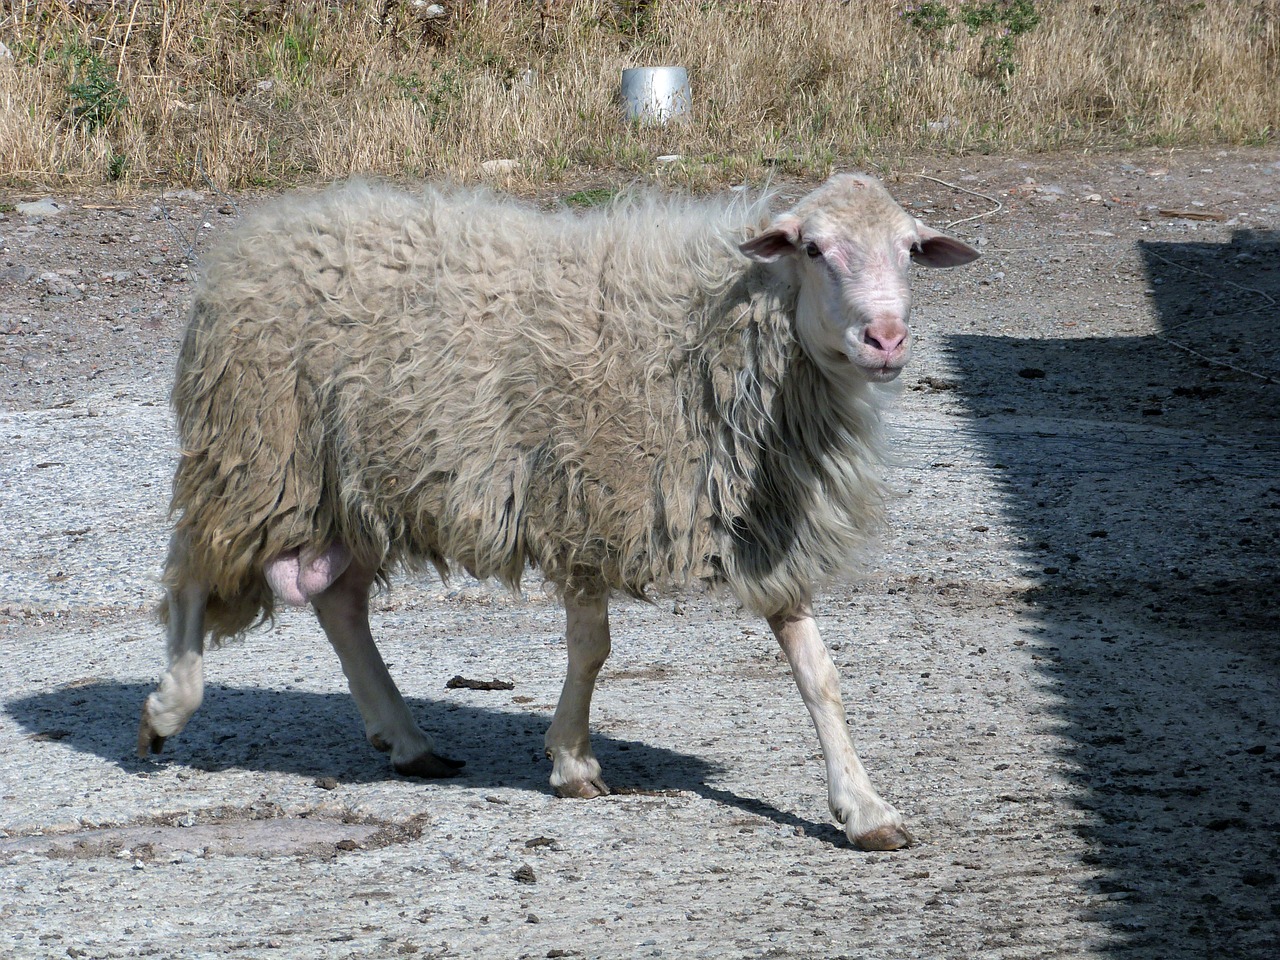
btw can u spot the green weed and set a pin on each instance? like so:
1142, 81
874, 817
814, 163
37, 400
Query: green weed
595, 197
117, 167
95, 95
437, 97
998, 22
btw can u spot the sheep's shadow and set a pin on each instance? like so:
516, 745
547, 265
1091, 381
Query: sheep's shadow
1144, 482
319, 734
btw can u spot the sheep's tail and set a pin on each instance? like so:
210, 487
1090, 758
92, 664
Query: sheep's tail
245, 487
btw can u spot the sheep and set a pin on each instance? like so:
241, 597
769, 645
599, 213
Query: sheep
662, 393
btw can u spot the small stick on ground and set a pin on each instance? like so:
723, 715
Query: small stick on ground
999, 205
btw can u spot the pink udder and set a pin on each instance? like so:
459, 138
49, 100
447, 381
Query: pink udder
295, 583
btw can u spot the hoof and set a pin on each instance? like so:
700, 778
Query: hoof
583, 789
430, 766
148, 740
884, 838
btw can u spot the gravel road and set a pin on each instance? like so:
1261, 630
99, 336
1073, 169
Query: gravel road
1064, 668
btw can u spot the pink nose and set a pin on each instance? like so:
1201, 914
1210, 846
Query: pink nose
885, 335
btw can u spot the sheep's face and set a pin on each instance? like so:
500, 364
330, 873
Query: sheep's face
851, 247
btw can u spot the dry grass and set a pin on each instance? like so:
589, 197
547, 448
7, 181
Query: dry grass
256, 92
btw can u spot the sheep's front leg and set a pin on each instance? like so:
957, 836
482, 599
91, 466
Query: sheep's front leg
167, 710
869, 822
575, 771
343, 611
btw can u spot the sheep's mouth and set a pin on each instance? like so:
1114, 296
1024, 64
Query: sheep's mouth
873, 370
881, 374
876, 368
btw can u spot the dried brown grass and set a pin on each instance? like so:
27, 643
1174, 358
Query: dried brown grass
261, 92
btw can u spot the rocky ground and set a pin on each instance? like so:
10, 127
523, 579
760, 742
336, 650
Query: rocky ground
1064, 668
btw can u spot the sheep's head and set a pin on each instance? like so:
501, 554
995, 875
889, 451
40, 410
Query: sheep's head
850, 246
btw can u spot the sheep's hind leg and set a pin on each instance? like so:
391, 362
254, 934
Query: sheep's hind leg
343, 611
870, 823
575, 771
167, 710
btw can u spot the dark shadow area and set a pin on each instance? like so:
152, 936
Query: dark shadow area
1145, 482
320, 735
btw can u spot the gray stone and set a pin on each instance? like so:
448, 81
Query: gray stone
58, 285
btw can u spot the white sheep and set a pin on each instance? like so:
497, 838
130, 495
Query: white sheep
656, 393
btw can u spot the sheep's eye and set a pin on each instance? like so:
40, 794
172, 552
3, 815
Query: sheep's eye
813, 250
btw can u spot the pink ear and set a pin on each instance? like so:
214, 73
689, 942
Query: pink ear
939, 250
778, 241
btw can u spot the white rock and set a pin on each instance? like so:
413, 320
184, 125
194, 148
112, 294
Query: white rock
47, 207
498, 168
670, 157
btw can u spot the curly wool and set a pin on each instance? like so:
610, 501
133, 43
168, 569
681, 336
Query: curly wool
616, 398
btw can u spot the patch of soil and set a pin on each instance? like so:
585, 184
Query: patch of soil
226, 831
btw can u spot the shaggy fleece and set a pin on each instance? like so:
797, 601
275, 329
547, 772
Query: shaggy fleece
616, 398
